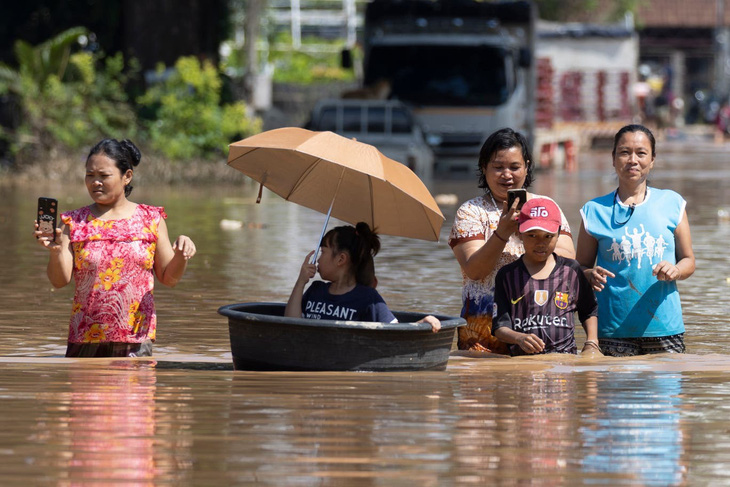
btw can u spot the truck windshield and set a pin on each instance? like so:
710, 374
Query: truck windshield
432, 75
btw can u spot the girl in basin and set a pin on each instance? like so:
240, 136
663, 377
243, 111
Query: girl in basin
346, 261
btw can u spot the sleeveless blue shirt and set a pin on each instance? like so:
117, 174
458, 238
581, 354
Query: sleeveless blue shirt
635, 303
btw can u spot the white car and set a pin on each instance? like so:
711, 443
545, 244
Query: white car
385, 124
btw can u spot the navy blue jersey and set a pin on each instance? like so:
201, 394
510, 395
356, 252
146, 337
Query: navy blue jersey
363, 303
543, 307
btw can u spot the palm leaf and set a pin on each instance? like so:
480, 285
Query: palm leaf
9, 79
50, 57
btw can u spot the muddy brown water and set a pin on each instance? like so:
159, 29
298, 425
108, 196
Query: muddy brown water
186, 418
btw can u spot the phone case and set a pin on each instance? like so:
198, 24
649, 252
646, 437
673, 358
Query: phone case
48, 216
511, 195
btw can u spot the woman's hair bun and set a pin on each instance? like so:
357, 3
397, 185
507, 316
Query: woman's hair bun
134, 154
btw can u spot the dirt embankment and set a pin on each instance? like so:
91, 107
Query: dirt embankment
152, 169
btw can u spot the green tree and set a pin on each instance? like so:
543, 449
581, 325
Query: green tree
187, 119
317, 62
38, 63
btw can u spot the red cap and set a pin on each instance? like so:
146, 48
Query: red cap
540, 214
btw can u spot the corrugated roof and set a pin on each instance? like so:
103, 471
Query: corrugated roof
681, 13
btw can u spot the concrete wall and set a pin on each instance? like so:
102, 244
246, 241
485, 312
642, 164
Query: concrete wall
590, 54
591, 76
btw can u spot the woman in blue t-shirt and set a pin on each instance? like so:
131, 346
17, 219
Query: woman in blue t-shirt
346, 261
635, 244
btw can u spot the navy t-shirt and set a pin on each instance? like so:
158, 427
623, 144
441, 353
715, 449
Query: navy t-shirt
363, 303
544, 307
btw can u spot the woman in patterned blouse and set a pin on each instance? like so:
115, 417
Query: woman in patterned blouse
483, 236
113, 248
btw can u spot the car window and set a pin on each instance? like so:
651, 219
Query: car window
351, 119
328, 120
376, 120
401, 122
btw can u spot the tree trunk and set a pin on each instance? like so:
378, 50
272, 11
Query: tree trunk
251, 31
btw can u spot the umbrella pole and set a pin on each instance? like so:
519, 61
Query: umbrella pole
326, 221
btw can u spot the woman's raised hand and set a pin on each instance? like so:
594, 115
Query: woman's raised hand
184, 245
508, 221
46, 240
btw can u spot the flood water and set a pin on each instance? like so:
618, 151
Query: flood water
186, 418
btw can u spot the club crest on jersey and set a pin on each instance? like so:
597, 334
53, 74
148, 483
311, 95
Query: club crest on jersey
541, 297
561, 300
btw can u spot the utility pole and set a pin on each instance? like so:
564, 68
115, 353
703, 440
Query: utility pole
296, 24
351, 22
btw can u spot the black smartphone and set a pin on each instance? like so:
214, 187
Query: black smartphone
516, 194
48, 216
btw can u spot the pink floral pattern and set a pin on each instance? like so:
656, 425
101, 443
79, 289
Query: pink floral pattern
113, 270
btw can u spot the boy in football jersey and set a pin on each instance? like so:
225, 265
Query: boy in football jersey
536, 297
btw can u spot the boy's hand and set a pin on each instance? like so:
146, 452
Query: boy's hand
530, 343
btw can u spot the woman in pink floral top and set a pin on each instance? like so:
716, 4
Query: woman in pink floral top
112, 248
483, 237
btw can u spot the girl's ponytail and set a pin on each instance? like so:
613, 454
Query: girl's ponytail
362, 244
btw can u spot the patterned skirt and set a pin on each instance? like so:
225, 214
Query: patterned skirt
477, 334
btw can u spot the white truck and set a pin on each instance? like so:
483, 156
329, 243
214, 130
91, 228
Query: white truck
464, 67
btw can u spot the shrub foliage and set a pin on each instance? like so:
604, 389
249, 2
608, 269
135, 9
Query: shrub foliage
188, 119
68, 97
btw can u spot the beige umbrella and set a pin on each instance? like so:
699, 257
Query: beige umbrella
335, 175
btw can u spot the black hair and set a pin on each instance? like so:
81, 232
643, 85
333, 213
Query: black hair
125, 154
634, 127
361, 244
503, 139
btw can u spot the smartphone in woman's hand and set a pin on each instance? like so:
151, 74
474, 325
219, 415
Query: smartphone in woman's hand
516, 194
48, 216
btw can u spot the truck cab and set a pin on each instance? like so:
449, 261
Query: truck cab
464, 67
386, 124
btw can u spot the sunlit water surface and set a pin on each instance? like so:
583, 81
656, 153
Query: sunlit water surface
186, 418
